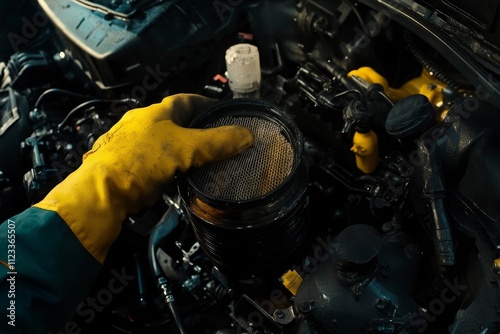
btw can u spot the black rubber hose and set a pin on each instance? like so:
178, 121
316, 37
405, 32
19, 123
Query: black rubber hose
412, 47
166, 225
89, 104
60, 92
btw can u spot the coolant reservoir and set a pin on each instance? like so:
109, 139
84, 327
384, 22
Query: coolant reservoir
243, 70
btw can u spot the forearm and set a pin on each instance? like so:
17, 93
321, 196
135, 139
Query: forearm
51, 272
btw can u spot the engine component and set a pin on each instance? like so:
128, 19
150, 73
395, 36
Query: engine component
14, 128
410, 116
249, 211
427, 63
41, 178
137, 42
321, 21
367, 272
241, 243
474, 25
481, 224
365, 148
319, 87
243, 70
29, 69
425, 84
443, 150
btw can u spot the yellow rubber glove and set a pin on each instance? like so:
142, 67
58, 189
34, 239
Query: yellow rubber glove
129, 167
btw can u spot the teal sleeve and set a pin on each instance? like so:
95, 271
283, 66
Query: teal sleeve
50, 273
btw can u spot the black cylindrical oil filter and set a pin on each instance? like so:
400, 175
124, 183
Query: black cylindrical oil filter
249, 211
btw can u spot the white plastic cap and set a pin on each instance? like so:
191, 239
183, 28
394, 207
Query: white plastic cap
243, 70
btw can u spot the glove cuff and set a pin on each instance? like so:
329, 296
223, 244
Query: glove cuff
88, 201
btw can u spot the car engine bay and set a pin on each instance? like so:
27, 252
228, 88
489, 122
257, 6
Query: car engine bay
373, 209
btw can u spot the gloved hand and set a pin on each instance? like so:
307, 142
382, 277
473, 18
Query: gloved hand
129, 166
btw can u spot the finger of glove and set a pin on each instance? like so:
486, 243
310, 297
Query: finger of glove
185, 107
180, 108
217, 144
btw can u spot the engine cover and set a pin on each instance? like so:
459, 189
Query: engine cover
364, 286
121, 44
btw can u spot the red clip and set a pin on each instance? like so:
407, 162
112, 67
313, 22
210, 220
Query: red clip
245, 36
220, 78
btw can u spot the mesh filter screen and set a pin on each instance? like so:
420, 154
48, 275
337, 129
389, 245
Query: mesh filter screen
253, 173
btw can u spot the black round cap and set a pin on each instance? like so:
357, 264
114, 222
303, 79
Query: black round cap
410, 116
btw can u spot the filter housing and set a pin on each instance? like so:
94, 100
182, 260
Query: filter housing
249, 212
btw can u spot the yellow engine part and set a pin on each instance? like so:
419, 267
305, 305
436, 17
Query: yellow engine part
365, 148
425, 84
291, 280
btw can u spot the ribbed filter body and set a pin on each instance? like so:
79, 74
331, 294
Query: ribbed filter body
249, 211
